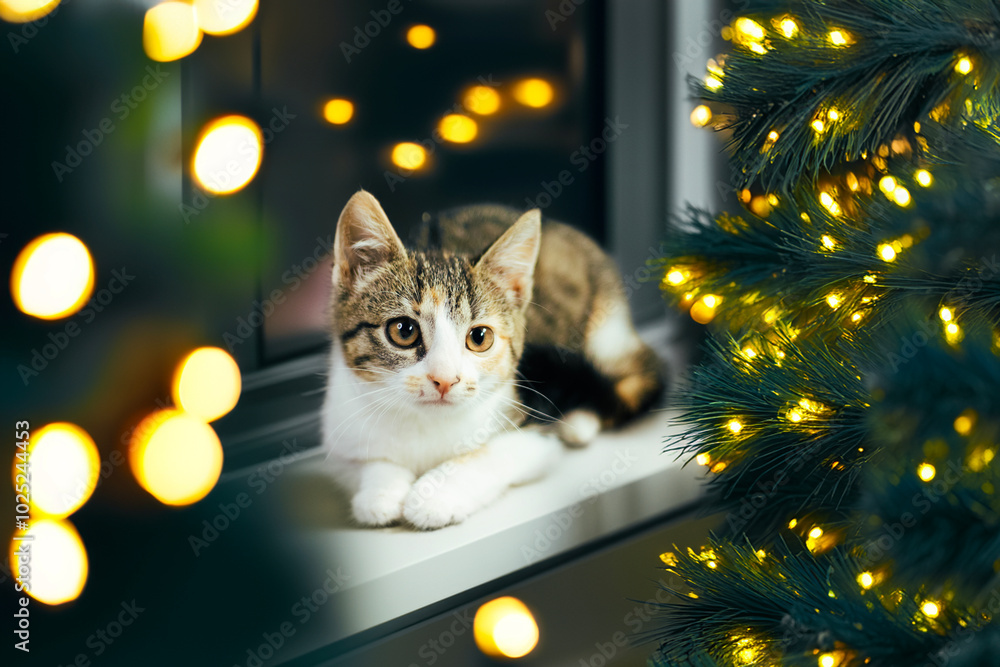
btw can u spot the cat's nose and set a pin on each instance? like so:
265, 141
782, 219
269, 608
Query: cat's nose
443, 384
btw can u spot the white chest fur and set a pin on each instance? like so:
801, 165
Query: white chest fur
376, 421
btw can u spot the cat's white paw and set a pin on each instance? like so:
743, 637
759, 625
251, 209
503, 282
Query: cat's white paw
378, 507
579, 428
441, 507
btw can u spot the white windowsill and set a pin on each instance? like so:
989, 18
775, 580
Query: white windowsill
619, 481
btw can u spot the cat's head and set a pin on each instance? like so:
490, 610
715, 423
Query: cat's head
430, 328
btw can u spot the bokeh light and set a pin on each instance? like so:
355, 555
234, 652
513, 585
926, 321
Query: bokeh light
481, 100
57, 560
65, 466
176, 457
458, 129
506, 628
170, 31
421, 36
703, 310
701, 116
25, 11
207, 383
408, 155
535, 93
224, 17
338, 111
53, 276
228, 154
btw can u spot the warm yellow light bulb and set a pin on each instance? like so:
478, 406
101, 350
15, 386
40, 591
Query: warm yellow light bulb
793, 523
819, 126
827, 660
52, 277
828, 242
926, 472
833, 114
481, 100
946, 314
735, 426
170, 31
833, 300
534, 92
701, 116
675, 277
64, 466
224, 17
794, 415
887, 252
750, 28
338, 111
408, 155
866, 580
931, 609
207, 383
505, 627
789, 27
57, 560
887, 184
964, 65
421, 36
838, 37
703, 459
924, 178
829, 203
228, 154
25, 11
816, 532
713, 82
964, 422
901, 196
176, 457
458, 129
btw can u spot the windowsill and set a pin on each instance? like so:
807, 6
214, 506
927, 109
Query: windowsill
620, 481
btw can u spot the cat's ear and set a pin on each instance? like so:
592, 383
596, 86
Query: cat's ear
512, 257
365, 239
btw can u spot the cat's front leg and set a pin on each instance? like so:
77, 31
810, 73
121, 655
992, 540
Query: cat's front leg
457, 488
381, 488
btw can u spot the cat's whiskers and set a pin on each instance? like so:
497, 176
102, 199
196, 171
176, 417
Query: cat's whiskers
352, 419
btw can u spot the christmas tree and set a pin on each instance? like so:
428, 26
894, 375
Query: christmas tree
848, 408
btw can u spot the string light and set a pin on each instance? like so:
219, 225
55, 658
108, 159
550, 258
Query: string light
819, 126
338, 111
924, 178
828, 242
750, 28
926, 472
964, 65
827, 660
887, 184
458, 129
534, 92
701, 116
952, 332
866, 580
886, 252
481, 100
793, 523
901, 196
964, 422
409, 155
421, 36
703, 459
839, 37
946, 314
789, 27
833, 300
815, 533
829, 203
735, 426
930, 609
713, 82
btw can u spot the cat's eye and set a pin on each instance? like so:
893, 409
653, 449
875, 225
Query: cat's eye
479, 339
403, 332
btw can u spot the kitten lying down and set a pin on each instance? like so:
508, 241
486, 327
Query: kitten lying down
422, 414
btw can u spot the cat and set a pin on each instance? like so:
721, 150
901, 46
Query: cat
422, 416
